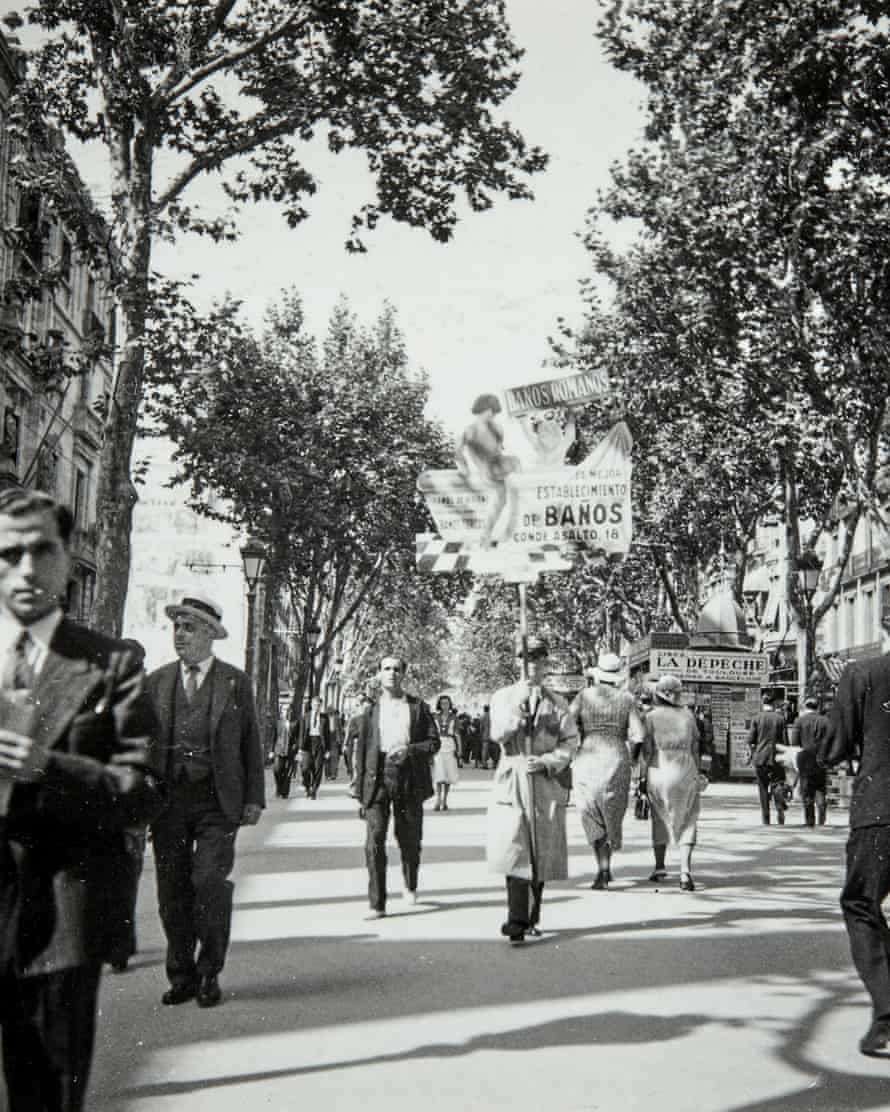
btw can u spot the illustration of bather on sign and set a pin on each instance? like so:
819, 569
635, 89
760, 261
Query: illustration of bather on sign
481, 461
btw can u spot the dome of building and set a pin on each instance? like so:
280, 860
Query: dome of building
721, 624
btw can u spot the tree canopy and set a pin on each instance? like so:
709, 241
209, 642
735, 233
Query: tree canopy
236, 91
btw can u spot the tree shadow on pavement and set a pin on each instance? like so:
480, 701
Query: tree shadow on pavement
598, 1029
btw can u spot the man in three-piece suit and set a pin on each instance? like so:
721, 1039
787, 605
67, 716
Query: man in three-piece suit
215, 781
77, 768
396, 741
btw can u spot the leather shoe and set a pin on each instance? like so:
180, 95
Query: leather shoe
875, 1041
179, 994
601, 880
686, 883
514, 931
209, 993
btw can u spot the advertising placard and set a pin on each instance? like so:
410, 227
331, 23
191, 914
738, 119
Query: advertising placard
577, 389
711, 665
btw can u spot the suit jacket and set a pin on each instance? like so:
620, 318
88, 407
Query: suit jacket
767, 730
66, 831
811, 732
324, 727
236, 752
415, 777
860, 728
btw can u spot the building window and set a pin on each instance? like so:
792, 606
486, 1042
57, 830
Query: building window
11, 435
81, 497
851, 621
48, 470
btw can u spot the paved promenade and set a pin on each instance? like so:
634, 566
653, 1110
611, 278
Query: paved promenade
739, 996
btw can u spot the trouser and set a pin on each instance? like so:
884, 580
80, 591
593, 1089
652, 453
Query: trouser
194, 846
866, 887
765, 777
408, 823
125, 873
49, 1028
332, 764
282, 770
523, 902
313, 766
812, 794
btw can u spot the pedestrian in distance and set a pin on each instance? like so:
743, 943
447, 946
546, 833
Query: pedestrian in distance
335, 730
396, 743
490, 751
445, 771
351, 733
526, 841
810, 733
767, 730
128, 872
612, 734
283, 753
672, 754
859, 724
215, 773
315, 745
78, 768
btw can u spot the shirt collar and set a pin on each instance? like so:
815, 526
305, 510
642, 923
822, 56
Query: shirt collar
42, 631
203, 667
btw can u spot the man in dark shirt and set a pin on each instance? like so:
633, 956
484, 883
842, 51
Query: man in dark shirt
766, 732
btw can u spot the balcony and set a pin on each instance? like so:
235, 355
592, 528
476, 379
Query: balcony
87, 425
83, 543
867, 561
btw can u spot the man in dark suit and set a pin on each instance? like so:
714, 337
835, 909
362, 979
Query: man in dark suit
77, 768
315, 745
214, 770
860, 729
766, 732
810, 733
396, 742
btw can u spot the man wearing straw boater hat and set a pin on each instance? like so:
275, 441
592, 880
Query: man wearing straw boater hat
214, 769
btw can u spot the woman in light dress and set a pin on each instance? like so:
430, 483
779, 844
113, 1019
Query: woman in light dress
612, 732
445, 761
672, 754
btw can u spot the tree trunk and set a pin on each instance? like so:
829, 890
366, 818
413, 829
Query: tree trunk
116, 495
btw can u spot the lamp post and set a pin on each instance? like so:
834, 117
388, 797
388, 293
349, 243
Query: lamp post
808, 569
253, 559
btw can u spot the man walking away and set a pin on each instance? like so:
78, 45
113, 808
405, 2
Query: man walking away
766, 732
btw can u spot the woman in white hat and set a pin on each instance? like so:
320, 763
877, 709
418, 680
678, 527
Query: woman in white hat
610, 726
672, 779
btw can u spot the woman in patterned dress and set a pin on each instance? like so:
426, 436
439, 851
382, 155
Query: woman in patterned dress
672, 755
445, 761
610, 726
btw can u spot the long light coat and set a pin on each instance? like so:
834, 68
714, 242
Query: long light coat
520, 835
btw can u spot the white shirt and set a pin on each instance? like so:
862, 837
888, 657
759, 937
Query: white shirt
41, 633
395, 723
203, 667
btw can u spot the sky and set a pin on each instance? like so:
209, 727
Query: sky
477, 312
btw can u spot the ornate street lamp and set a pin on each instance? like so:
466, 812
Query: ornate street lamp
809, 569
253, 559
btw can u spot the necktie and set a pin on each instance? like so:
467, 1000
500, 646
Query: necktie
18, 675
191, 681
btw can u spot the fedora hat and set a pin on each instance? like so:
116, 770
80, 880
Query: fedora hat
609, 669
201, 607
669, 689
